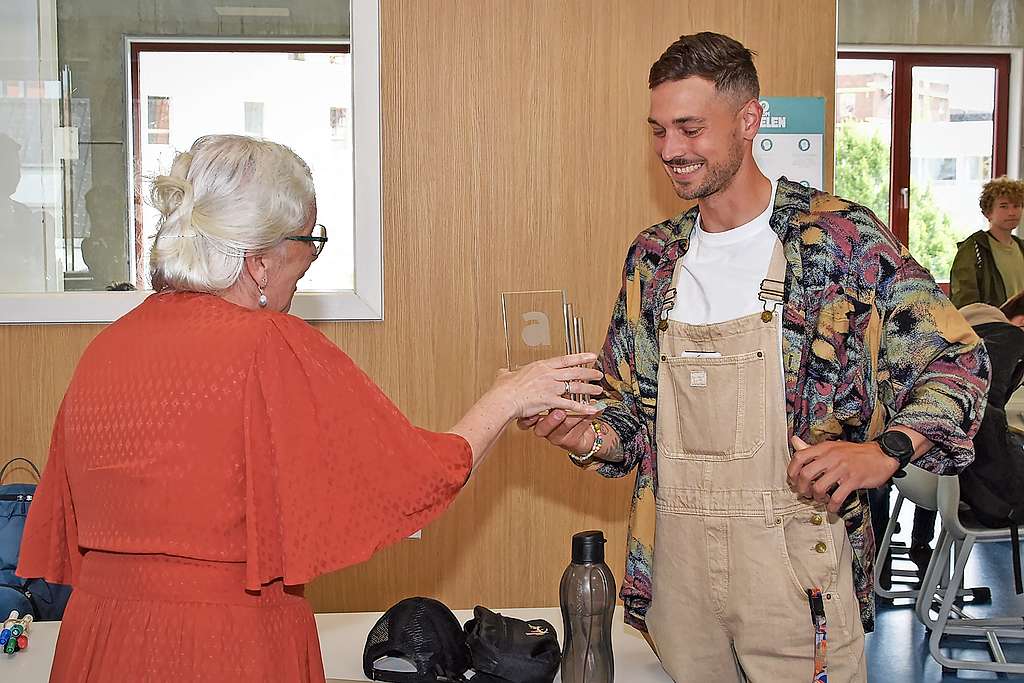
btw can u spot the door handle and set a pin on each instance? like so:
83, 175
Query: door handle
905, 197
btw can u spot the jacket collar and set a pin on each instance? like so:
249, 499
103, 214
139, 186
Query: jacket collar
791, 201
981, 240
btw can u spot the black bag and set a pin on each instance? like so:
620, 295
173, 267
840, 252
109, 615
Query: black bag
43, 600
993, 485
505, 649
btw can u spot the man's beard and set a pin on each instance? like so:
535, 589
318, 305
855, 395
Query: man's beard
718, 177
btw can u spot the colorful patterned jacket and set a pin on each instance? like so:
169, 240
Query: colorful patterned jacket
869, 340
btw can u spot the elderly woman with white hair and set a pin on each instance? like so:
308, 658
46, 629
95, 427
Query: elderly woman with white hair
213, 454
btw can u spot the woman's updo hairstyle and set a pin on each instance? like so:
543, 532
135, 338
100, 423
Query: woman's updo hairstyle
227, 197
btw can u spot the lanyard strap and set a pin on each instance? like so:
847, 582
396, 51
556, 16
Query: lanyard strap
820, 635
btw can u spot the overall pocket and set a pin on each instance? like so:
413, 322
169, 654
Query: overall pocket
711, 408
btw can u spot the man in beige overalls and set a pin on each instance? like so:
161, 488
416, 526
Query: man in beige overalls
770, 310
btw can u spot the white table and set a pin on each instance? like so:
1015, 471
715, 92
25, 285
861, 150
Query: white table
342, 636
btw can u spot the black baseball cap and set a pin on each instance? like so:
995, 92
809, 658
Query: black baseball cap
509, 650
418, 640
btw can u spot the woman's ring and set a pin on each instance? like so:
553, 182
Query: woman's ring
568, 389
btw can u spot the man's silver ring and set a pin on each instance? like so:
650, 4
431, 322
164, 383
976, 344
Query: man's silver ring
568, 389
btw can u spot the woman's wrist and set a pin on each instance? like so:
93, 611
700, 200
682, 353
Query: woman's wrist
498, 402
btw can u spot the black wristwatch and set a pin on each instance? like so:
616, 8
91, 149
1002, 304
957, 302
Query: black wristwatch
898, 446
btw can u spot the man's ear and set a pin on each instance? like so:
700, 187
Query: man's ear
256, 266
750, 115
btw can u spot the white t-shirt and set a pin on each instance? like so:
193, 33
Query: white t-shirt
719, 276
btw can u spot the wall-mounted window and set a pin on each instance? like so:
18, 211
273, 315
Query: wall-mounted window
158, 120
253, 119
978, 168
917, 135
932, 170
282, 99
86, 126
339, 124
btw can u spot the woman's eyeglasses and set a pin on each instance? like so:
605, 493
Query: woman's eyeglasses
318, 239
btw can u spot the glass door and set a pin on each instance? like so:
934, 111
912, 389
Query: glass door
952, 143
917, 135
864, 132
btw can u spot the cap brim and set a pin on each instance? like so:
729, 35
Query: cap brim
396, 670
481, 677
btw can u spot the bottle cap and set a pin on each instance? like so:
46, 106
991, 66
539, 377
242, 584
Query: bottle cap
588, 547
22, 642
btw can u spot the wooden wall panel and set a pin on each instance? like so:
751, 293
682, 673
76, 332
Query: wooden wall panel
36, 364
516, 156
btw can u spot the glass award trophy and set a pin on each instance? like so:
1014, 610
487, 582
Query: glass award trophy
539, 325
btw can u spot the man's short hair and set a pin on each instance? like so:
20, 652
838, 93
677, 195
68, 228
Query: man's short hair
994, 190
711, 56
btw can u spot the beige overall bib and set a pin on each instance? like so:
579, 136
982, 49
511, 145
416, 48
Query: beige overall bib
736, 549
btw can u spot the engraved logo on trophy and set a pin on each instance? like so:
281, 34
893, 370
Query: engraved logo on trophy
537, 330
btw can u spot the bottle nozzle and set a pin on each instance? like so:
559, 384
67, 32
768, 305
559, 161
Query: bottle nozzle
588, 547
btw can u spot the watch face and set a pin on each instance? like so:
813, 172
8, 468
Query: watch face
897, 444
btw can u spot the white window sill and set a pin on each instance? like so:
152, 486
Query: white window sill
105, 307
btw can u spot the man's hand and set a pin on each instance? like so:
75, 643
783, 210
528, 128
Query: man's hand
571, 432
841, 465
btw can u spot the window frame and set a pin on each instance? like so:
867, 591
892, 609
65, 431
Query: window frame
1007, 118
365, 302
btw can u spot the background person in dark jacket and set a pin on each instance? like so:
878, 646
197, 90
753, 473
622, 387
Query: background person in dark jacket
989, 265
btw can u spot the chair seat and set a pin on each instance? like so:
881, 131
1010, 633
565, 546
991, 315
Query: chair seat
969, 521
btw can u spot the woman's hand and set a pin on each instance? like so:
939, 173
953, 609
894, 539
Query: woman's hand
525, 393
547, 385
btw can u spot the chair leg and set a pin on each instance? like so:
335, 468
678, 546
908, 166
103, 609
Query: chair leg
948, 597
989, 629
935, 577
883, 553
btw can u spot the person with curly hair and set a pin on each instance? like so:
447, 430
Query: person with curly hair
989, 265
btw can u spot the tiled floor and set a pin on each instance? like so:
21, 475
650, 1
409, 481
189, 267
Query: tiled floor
897, 651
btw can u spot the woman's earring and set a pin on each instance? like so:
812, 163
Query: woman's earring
262, 301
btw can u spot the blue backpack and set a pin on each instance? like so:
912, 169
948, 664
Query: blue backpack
43, 600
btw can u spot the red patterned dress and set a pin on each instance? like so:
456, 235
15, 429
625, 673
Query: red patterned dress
206, 462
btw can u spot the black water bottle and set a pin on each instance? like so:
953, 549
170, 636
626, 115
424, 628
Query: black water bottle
587, 597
